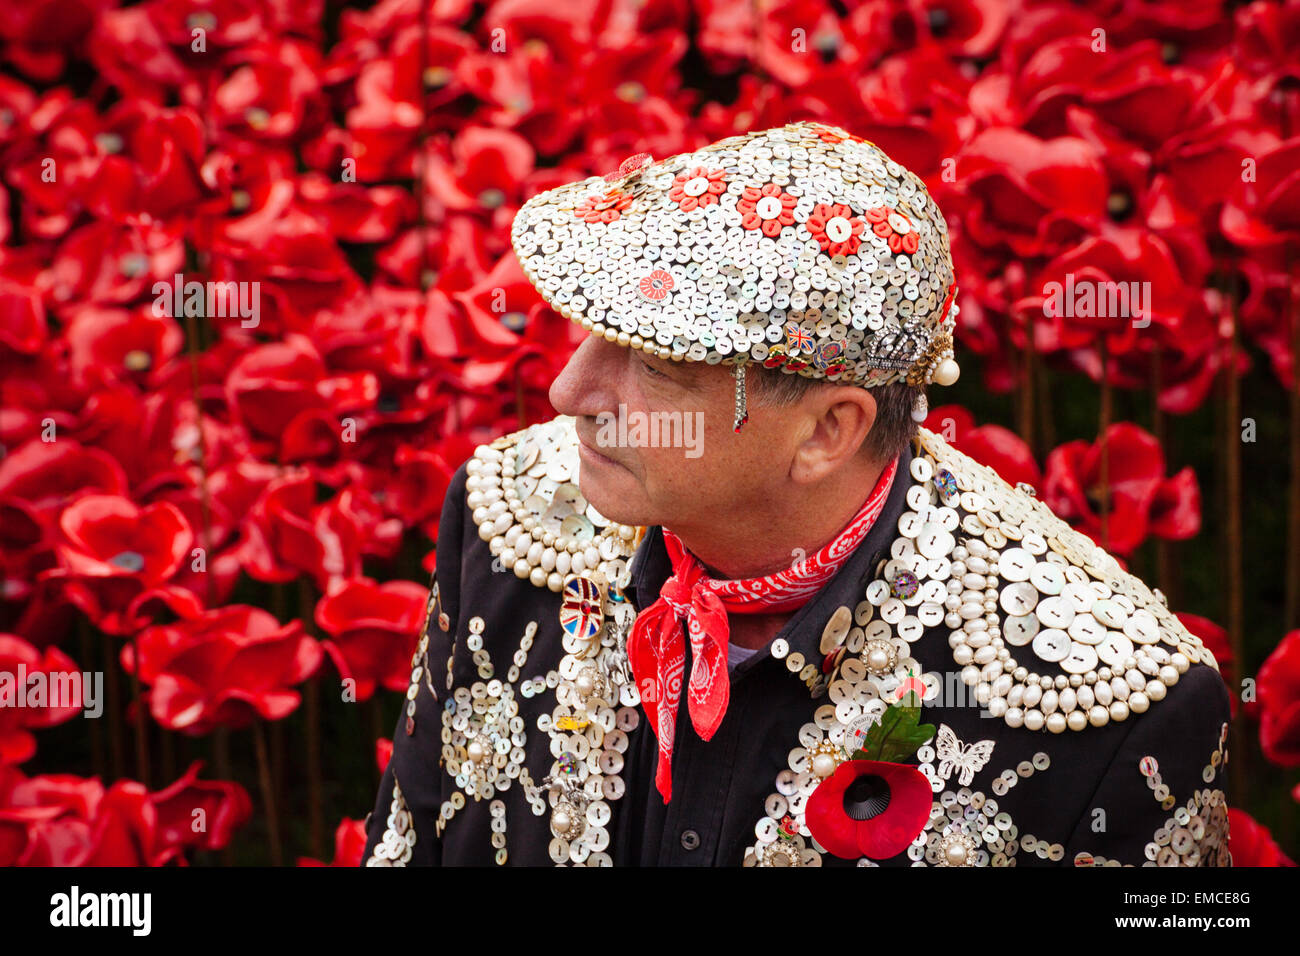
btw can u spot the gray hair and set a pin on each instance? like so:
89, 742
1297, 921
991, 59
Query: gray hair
893, 428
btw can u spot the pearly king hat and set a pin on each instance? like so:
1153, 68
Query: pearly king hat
801, 247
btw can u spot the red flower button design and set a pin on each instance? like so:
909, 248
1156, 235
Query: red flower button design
656, 286
606, 208
697, 187
894, 227
836, 228
869, 808
769, 208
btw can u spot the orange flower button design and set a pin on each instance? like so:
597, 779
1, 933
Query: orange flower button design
769, 208
837, 230
656, 286
892, 226
697, 187
606, 208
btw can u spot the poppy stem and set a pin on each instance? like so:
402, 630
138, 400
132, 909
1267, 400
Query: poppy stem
1103, 425
1232, 524
1160, 428
221, 757
117, 748
167, 747
87, 663
376, 731
268, 797
1029, 372
141, 731
315, 788
1046, 421
193, 346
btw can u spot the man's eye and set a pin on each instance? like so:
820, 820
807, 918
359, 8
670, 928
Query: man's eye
650, 369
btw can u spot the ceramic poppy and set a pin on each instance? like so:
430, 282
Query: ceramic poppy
869, 808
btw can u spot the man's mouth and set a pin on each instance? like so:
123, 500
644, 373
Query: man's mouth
589, 452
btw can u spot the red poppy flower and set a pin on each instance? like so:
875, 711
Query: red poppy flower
1251, 843
1141, 500
768, 207
1265, 210
1215, 639
606, 208
700, 186
22, 712
1029, 194
223, 668
1279, 702
224, 804
869, 808
992, 445
837, 230
349, 845
374, 630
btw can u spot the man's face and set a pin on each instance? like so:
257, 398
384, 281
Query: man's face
711, 474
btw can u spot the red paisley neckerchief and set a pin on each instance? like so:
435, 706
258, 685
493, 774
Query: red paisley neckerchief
656, 651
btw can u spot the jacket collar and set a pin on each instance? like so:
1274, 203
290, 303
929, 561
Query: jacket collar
802, 634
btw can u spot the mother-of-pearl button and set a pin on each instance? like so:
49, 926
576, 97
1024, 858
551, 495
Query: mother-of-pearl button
700, 185
838, 229
1018, 630
934, 541
1109, 613
1082, 658
1015, 564
1018, 598
1142, 628
1086, 630
1079, 595
1052, 645
1055, 612
769, 207
1115, 648
1047, 577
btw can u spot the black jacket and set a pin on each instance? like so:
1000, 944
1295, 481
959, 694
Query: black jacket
1074, 797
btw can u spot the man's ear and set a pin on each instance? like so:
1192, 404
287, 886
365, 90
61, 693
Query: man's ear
842, 416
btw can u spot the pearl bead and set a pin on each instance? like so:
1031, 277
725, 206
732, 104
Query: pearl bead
824, 765
560, 820
947, 372
475, 751
956, 854
584, 685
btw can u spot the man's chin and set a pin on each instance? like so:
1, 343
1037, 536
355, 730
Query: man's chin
608, 486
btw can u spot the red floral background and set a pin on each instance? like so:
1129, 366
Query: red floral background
235, 522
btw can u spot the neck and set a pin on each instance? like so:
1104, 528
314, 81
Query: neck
773, 531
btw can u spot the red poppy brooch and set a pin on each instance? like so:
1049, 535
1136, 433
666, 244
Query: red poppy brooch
874, 805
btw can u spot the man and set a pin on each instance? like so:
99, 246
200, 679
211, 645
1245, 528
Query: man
809, 565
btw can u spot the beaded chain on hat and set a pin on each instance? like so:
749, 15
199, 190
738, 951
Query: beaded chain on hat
801, 247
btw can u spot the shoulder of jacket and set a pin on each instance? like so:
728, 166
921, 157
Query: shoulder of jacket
522, 493
1066, 610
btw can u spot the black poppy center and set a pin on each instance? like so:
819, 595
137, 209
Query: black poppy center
866, 797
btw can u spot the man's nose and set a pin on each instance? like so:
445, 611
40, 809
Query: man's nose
585, 385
